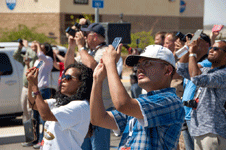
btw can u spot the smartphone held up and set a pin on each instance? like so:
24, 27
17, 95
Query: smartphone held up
116, 42
39, 64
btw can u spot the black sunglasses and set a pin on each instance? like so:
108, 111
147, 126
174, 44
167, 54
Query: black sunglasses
67, 77
217, 48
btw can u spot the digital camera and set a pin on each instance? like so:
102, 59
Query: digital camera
183, 36
190, 103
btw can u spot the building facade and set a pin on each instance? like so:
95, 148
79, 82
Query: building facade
54, 16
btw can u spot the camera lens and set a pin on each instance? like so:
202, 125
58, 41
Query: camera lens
77, 25
181, 36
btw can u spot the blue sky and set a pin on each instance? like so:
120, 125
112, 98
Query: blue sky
214, 12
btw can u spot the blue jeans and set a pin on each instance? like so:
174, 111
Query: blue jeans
46, 93
100, 139
188, 139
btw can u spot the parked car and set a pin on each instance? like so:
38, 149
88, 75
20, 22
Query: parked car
11, 74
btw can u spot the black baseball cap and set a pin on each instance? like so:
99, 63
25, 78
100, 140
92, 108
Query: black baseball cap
95, 27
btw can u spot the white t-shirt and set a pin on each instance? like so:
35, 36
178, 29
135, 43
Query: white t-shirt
44, 70
71, 128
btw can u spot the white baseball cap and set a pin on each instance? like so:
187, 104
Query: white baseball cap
155, 52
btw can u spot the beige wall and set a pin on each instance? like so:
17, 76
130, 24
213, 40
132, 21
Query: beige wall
30, 6
144, 15
46, 22
194, 8
127, 7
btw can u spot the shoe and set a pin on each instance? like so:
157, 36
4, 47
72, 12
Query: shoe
27, 144
37, 146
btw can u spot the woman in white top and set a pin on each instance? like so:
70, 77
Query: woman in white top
45, 54
68, 115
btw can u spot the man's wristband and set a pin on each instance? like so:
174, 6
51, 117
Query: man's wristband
192, 55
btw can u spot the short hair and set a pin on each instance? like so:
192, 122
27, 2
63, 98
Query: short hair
206, 38
162, 34
166, 64
173, 34
224, 43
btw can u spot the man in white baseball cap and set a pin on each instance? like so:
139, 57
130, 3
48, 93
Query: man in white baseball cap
152, 121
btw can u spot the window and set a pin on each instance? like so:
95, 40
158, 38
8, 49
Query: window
5, 65
84, 2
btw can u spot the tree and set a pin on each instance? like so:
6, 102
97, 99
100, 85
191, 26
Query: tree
145, 39
23, 32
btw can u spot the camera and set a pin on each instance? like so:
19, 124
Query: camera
71, 31
183, 36
190, 103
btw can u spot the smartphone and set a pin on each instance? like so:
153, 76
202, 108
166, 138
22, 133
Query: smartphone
196, 35
116, 42
217, 28
39, 64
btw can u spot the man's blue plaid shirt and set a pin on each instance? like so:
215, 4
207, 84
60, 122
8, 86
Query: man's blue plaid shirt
160, 129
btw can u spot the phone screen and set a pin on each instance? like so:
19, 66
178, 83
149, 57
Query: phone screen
39, 64
116, 42
196, 35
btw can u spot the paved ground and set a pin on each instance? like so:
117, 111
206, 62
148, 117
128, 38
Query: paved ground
12, 137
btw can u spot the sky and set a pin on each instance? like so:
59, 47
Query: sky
214, 12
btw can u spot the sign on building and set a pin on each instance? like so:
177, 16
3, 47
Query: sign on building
11, 4
98, 3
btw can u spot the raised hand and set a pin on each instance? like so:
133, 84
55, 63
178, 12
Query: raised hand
32, 76
111, 55
100, 73
80, 39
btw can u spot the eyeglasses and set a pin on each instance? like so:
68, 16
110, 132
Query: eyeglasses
68, 77
146, 63
217, 48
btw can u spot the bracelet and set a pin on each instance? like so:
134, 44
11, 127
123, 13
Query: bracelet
81, 49
35, 93
193, 54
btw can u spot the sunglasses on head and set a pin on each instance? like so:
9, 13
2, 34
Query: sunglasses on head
217, 48
67, 77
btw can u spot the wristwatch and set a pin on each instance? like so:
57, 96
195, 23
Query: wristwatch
83, 48
192, 55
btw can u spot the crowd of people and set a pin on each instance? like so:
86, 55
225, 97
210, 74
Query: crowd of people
170, 95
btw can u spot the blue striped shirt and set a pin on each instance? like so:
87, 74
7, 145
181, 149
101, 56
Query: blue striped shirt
210, 115
160, 129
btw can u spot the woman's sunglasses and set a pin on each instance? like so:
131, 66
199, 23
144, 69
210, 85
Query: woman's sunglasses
217, 48
67, 77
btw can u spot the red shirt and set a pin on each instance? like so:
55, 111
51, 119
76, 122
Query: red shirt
61, 71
